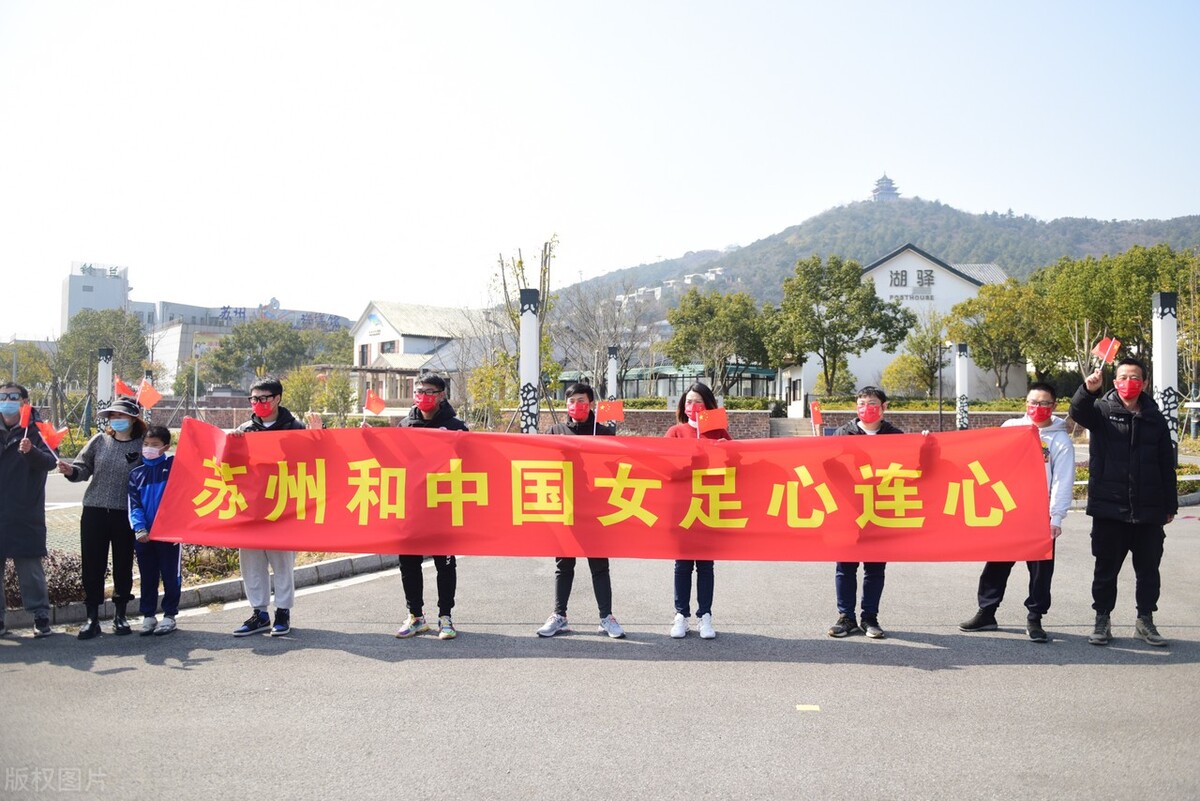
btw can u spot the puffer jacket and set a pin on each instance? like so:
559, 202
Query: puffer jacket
1131, 463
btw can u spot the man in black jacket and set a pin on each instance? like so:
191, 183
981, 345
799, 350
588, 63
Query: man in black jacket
431, 410
581, 421
1131, 491
871, 406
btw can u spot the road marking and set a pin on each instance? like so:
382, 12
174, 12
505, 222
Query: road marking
51, 507
808, 708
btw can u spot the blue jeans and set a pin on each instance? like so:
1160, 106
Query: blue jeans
683, 586
846, 581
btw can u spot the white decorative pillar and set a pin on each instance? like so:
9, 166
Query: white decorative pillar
962, 377
1165, 347
611, 380
529, 365
104, 378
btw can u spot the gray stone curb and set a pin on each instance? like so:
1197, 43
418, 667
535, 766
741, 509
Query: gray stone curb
219, 592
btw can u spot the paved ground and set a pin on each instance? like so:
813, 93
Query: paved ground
770, 709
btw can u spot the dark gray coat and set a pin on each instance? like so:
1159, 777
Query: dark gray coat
23, 493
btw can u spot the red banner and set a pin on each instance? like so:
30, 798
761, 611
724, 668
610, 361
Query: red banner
959, 496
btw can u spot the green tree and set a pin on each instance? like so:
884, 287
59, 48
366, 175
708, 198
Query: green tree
256, 348
327, 347
828, 309
33, 365
88, 331
721, 332
991, 325
924, 344
302, 389
337, 398
907, 375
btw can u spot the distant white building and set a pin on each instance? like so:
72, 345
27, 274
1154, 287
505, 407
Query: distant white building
921, 283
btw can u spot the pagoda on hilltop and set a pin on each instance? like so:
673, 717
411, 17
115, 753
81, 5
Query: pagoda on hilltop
885, 189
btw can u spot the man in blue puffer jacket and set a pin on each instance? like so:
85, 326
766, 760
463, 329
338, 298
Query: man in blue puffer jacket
155, 559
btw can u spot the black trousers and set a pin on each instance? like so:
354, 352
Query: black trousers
1111, 541
564, 577
100, 528
994, 579
413, 580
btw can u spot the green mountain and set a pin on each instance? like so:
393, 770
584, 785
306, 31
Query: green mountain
867, 231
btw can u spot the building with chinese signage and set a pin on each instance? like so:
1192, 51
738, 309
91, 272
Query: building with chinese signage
921, 283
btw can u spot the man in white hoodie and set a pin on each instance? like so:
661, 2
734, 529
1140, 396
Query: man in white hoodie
1058, 452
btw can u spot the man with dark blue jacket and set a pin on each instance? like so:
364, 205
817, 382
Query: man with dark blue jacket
1131, 491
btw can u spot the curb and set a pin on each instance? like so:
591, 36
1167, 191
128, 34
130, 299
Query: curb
224, 591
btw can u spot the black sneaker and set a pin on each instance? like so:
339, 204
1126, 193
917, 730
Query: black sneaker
1035, 631
88, 630
845, 626
870, 625
258, 622
283, 623
983, 621
41, 627
120, 625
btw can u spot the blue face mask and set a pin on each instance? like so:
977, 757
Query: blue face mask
10, 408
120, 424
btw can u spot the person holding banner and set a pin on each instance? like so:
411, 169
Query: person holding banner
1058, 452
268, 414
581, 421
107, 460
870, 405
1132, 491
430, 410
692, 404
25, 459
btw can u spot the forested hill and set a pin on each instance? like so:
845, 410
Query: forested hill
867, 231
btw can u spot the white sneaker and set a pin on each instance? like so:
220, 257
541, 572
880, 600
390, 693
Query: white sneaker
166, 627
707, 632
679, 628
148, 625
554, 625
610, 626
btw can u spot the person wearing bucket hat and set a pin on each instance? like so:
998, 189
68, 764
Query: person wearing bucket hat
106, 461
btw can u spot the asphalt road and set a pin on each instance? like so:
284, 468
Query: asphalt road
772, 708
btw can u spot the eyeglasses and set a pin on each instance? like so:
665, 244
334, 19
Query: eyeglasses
10, 396
1042, 404
426, 391
260, 398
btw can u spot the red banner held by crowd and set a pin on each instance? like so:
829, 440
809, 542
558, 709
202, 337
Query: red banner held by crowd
958, 496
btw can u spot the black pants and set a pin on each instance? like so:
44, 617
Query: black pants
98, 529
414, 583
564, 576
1111, 541
994, 579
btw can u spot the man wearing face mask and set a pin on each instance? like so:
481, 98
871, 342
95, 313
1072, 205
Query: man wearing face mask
1058, 452
870, 407
24, 462
581, 421
430, 410
1132, 491
268, 414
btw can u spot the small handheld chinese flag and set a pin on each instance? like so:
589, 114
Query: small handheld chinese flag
612, 411
817, 417
1106, 349
26, 411
122, 388
374, 404
712, 420
51, 437
147, 395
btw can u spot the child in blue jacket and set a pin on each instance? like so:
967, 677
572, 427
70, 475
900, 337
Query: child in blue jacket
155, 559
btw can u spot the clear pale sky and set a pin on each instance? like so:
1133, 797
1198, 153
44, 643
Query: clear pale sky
330, 153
